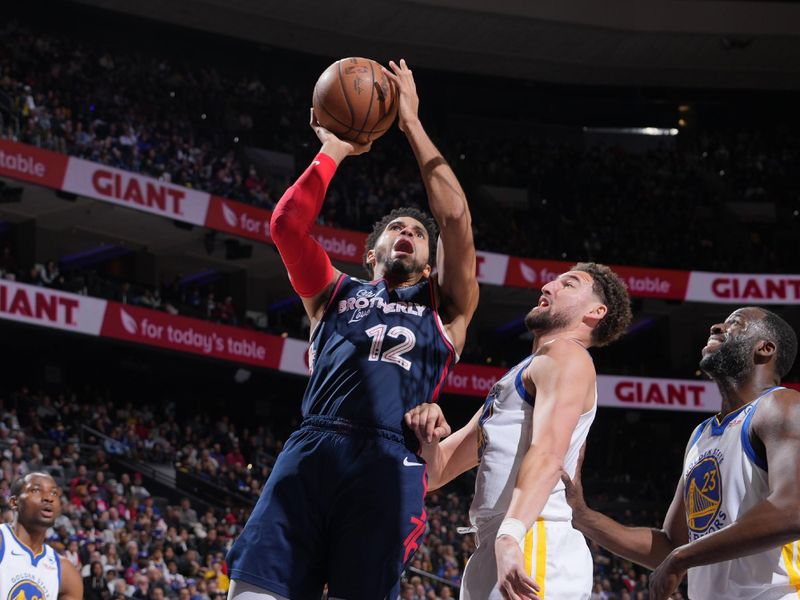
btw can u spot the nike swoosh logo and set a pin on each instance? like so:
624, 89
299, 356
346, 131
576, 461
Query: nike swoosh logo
315, 163
17, 553
408, 463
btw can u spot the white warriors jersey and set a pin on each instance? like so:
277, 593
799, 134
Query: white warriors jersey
504, 436
723, 478
25, 575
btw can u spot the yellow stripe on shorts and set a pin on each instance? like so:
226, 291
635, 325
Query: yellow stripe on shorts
790, 558
541, 556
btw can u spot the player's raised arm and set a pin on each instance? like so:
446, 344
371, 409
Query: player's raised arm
456, 249
309, 267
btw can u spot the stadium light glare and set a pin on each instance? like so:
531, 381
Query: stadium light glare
633, 130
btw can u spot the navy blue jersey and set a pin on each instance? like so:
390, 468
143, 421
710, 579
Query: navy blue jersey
377, 353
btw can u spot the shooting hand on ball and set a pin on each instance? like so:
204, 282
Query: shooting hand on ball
335, 147
403, 80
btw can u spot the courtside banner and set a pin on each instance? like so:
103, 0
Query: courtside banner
32, 164
182, 334
491, 267
612, 391
341, 244
239, 219
727, 288
81, 314
472, 380
659, 394
250, 222
641, 282
136, 191
50, 308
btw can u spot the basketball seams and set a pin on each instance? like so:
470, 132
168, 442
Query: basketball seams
390, 112
370, 117
331, 115
346, 97
371, 99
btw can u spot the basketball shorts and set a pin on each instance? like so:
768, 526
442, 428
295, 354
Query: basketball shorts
343, 505
556, 557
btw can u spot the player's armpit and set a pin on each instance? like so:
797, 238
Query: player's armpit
71, 587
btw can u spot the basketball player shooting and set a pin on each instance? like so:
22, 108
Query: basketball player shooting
28, 567
532, 426
344, 504
735, 519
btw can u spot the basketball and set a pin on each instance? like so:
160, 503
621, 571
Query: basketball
354, 100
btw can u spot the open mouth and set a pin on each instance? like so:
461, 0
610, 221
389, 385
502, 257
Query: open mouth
404, 245
543, 302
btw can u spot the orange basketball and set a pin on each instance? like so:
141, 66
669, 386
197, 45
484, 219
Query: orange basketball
354, 100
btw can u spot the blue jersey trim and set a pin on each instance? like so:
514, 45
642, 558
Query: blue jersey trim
747, 446
698, 432
58, 566
523, 393
35, 558
2, 546
718, 428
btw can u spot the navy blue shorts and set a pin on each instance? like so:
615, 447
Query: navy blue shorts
344, 506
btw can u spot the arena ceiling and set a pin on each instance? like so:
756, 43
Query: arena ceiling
685, 43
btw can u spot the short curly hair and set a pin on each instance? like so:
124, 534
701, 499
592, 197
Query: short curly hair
785, 339
379, 227
612, 292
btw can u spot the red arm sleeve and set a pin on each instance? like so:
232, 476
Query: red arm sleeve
309, 267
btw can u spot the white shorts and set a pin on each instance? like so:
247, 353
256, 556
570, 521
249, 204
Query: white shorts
556, 557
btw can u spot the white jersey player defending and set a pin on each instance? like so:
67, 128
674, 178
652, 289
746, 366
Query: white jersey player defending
531, 428
30, 569
735, 519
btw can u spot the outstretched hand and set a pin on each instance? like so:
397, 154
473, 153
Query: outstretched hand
335, 147
403, 79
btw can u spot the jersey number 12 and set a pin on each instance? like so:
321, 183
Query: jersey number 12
393, 355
